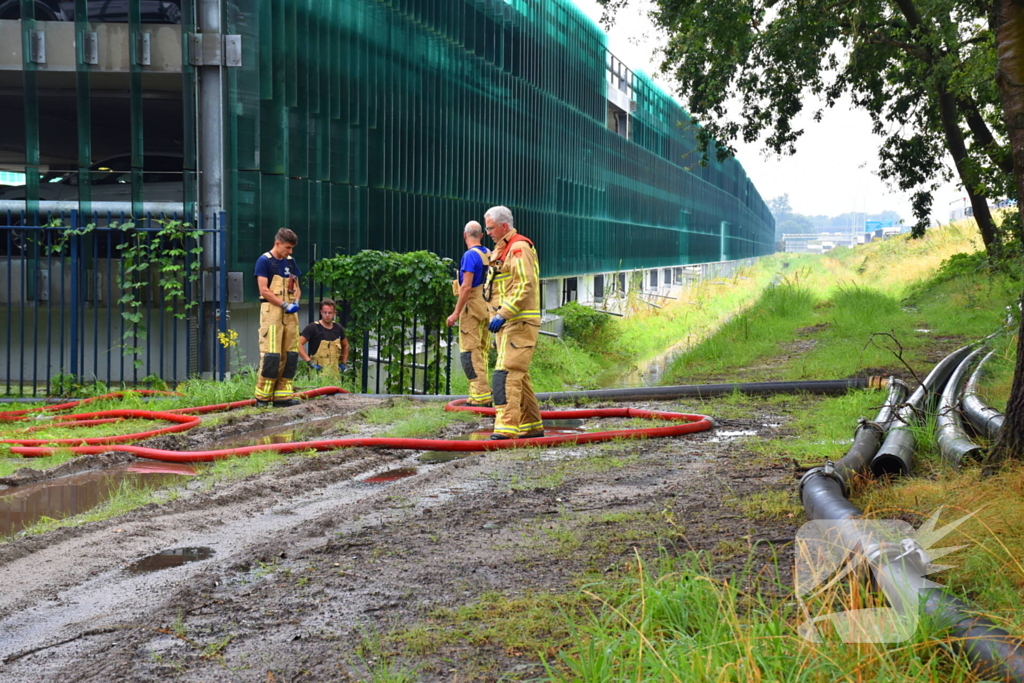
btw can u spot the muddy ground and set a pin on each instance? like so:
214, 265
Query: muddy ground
311, 562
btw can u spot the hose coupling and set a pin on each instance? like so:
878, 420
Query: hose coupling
827, 470
878, 381
864, 423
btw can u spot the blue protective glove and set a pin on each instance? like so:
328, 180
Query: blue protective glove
290, 308
342, 367
315, 366
496, 323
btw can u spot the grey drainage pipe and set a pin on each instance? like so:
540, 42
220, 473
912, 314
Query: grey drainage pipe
896, 455
985, 419
954, 444
835, 386
992, 651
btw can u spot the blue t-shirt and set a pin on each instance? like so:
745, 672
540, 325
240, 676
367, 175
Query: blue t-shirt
473, 262
267, 266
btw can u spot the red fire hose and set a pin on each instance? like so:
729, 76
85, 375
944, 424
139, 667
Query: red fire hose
687, 424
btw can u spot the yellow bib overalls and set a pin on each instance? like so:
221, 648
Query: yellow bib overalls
279, 341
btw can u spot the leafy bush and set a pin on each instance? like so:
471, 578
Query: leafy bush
582, 323
960, 265
386, 293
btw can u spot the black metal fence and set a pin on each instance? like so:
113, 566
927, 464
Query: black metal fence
106, 298
418, 361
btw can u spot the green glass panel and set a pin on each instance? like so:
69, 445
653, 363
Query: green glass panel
389, 125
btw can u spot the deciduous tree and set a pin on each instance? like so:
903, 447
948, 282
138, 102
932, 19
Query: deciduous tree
936, 76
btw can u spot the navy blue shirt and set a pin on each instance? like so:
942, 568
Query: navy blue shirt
267, 266
473, 262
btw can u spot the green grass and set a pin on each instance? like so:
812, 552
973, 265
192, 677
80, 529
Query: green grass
675, 622
10, 465
240, 466
749, 336
778, 504
824, 429
407, 419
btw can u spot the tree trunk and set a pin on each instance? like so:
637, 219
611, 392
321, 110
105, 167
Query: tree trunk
1009, 31
956, 145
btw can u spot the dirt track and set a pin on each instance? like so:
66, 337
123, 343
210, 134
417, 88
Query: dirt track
310, 560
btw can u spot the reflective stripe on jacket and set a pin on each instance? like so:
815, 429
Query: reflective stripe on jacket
517, 279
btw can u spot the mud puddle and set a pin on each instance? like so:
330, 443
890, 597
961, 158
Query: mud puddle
391, 475
25, 505
283, 433
556, 427
170, 558
726, 435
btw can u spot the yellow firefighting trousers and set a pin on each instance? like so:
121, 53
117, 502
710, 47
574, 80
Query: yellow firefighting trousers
473, 346
279, 348
517, 411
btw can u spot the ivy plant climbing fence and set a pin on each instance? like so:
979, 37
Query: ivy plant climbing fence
110, 299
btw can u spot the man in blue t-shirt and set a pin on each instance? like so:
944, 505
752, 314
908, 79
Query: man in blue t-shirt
472, 315
277, 276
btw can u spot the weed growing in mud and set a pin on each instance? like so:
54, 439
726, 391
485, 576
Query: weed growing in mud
767, 505
408, 420
824, 429
60, 456
244, 465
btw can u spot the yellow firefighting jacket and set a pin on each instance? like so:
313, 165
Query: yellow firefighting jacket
517, 276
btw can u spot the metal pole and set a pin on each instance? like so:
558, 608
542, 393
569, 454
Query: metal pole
211, 173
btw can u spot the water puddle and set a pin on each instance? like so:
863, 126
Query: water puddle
23, 506
647, 373
169, 558
391, 475
286, 433
725, 435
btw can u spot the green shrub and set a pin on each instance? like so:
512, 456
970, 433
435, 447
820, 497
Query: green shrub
582, 323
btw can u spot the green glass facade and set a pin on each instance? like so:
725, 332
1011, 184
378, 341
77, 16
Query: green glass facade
389, 125
381, 125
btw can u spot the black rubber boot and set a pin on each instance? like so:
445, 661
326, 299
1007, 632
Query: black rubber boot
287, 403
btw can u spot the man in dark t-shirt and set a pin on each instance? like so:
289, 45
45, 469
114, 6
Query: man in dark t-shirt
328, 347
277, 278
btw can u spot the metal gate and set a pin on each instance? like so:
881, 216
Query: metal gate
106, 298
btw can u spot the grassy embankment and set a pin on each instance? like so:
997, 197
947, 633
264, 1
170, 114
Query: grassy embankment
882, 307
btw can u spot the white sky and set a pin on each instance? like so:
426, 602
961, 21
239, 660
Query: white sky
834, 168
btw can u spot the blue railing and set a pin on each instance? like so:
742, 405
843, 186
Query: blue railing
74, 312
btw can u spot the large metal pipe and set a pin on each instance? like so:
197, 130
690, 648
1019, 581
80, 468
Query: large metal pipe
896, 454
985, 419
954, 444
869, 435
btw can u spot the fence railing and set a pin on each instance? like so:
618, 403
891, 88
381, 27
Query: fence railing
109, 298
417, 361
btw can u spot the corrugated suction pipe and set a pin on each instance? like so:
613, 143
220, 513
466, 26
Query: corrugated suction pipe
985, 419
954, 444
896, 455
